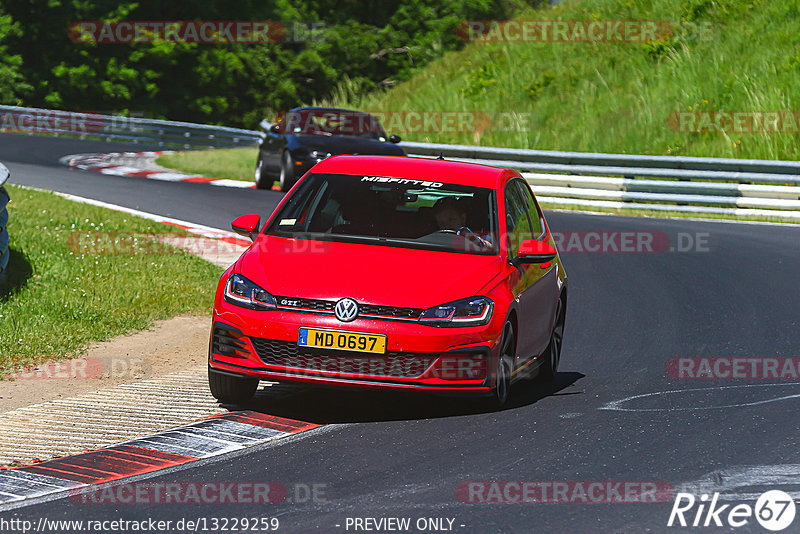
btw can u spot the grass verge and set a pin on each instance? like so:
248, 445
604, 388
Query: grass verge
225, 163
58, 300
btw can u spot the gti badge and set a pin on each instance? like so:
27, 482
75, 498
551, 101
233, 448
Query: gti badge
346, 310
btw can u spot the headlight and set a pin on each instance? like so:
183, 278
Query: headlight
318, 154
242, 292
473, 311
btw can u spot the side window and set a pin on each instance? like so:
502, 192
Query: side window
533, 211
517, 224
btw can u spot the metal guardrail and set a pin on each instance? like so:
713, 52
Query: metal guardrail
687, 184
4, 252
160, 133
675, 167
678, 167
692, 184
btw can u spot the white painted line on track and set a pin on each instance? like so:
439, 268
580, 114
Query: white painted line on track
617, 405
733, 483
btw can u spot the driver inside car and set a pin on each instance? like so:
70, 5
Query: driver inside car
449, 214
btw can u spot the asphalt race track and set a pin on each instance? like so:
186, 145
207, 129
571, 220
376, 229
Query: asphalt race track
724, 291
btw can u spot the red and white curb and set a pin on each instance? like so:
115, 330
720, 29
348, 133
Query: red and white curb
103, 164
210, 437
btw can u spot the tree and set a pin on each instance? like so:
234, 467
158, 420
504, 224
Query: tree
370, 41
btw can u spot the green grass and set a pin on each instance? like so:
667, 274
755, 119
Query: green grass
735, 55
58, 300
230, 163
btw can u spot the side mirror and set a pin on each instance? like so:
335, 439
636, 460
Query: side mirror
275, 128
247, 225
394, 139
533, 251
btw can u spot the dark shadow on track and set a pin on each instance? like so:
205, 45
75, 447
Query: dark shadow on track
343, 405
16, 274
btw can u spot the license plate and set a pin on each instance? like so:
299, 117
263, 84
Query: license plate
351, 341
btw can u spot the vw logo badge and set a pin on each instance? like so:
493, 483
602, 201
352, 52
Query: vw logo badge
346, 310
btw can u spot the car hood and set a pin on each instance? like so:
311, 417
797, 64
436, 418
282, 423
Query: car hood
371, 274
342, 144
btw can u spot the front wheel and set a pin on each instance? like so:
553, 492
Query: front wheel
287, 172
552, 353
502, 384
262, 182
229, 389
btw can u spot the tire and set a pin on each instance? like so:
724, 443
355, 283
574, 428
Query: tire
505, 367
262, 181
229, 389
549, 368
287, 177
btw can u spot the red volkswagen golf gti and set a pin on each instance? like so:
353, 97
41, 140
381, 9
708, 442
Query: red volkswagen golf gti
395, 273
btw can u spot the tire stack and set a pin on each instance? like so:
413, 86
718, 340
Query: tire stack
4, 253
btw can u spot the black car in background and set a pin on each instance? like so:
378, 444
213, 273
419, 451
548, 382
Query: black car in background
300, 138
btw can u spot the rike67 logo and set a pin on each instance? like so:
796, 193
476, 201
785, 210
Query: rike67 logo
774, 510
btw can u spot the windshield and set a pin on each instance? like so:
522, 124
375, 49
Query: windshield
385, 210
332, 122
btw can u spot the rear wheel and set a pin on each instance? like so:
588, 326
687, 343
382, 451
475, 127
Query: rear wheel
552, 353
502, 384
230, 389
287, 172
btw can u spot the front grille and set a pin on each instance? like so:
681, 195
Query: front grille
391, 364
364, 310
306, 304
389, 311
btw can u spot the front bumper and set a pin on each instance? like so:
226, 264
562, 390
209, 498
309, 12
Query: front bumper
264, 345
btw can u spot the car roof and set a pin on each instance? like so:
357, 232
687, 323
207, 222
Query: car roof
317, 108
452, 172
